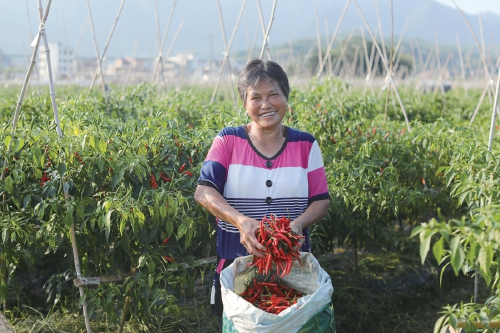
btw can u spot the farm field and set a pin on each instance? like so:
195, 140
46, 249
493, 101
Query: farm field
406, 202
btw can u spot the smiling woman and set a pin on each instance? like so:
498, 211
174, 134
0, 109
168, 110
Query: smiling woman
258, 169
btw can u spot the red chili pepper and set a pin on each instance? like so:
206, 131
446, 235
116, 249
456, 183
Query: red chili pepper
182, 167
190, 161
167, 258
165, 241
164, 176
189, 173
44, 179
152, 181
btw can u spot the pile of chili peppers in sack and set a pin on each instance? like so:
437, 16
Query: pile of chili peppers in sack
281, 249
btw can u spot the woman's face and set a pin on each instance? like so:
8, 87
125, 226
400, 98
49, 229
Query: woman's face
266, 105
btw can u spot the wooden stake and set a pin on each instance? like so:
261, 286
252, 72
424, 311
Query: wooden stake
336, 67
462, 67
493, 114
485, 91
483, 58
37, 76
318, 38
75, 50
385, 65
266, 36
99, 64
329, 49
263, 27
159, 58
226, 54
35, 44
107, 43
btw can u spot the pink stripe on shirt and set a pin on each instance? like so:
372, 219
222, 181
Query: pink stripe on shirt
317, 183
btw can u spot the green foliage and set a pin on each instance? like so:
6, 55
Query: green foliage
130, 167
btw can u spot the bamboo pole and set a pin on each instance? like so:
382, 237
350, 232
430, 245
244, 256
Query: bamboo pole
386, 66
438, 61
158, 37
35, 44
318, 38
382, 41
413, 60
493, 115
462, 67
107, 43
482, 55
174, 39
269, 25
420, 56
391, 61
485, 91
481, 34
99, 64
247, 37
442, 73
365, 48
37, 76
159, 58
354, 64
75, 50
226, 53
424, 68
344, 47
329, 58
65, 184
263, 27
328, 50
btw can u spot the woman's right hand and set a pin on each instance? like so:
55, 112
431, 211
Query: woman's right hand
248, 239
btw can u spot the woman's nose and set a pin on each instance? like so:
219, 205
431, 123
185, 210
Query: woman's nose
266, 103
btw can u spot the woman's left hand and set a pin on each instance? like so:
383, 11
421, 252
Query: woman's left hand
297, 231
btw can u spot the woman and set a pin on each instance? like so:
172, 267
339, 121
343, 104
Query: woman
258, 169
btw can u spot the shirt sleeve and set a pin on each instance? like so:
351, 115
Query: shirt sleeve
316, 176
214, 169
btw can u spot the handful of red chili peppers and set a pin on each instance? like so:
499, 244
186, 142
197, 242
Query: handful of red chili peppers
277, 236
270, 296
281, 249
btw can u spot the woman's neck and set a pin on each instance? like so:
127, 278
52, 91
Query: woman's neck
276, 134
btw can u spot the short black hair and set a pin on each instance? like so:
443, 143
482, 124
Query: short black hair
257, 71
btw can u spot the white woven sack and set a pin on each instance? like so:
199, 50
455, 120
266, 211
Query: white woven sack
309, 278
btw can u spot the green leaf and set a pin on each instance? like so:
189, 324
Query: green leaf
169, 227
453, 321
125, 243
107, 224
181, 231
142, 260
102, 146
7, 141
163, 211
61, 168
425, 244
439, 323
140, 218
9, 186
485, 259
437, 249
117, 177
457, 254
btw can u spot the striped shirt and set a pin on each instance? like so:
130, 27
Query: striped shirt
257, 186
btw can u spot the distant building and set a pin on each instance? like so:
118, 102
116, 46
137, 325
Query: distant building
61, 60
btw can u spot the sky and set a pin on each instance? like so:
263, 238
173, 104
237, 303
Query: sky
475, 6
67, 22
